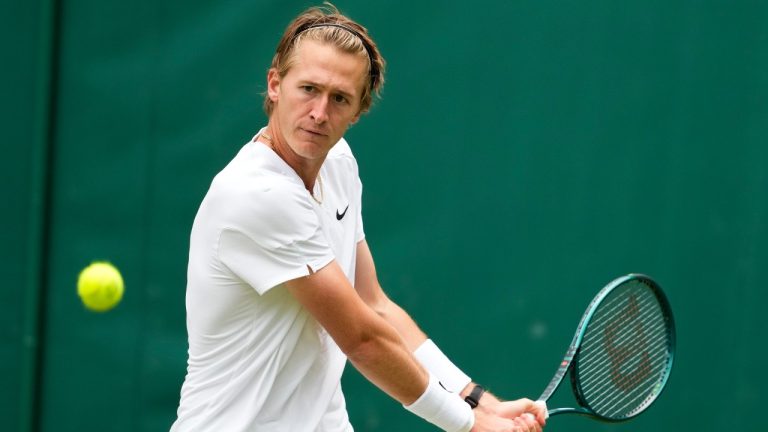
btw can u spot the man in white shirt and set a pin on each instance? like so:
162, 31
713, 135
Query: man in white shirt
282, 288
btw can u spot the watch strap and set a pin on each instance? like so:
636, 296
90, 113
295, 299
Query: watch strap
473, 399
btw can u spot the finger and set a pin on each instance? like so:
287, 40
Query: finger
505, 423
530, 421
535, 426
519, 426
523, 423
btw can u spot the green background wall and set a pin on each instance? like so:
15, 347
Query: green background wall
525, 153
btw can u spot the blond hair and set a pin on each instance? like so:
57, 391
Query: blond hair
326, 24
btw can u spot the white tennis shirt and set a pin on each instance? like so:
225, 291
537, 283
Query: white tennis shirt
258, 361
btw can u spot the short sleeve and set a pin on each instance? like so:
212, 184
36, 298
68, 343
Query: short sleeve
273, 237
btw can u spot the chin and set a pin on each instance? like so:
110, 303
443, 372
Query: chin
311, 150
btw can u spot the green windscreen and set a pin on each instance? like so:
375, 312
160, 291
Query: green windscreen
523, 155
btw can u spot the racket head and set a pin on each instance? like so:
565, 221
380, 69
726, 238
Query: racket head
626, 345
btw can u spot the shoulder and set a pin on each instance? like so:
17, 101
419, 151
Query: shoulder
262, 202
341, 156
341, 149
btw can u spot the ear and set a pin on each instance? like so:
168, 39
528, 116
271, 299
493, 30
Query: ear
273, 85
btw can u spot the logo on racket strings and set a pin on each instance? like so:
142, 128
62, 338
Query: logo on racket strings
624, 340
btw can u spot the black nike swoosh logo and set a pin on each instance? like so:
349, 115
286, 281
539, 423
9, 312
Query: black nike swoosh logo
340, 216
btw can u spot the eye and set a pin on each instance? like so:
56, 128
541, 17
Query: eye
339, 99
308, 88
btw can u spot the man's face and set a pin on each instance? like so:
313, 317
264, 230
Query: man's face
317, 99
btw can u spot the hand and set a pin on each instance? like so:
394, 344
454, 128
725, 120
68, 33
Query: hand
487, 421
525, 414
525, 411
527, 423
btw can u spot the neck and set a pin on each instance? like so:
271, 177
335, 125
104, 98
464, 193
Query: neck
307, 170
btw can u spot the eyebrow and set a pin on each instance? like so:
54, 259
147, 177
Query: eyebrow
318, 85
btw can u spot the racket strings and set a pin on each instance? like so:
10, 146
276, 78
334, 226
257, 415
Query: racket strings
633, 380
626, 395
594, 337
619, 404
640, 364
631, 377
624, 352
597, 370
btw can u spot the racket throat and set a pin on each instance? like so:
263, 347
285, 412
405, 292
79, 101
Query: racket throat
582, 411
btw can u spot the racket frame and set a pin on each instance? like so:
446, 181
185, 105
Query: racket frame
571, 356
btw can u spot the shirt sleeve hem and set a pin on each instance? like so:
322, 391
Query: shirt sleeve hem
315, 265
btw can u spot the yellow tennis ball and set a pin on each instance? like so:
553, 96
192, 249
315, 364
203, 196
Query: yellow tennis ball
100, 286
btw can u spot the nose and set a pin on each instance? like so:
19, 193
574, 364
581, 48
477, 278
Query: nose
319, 112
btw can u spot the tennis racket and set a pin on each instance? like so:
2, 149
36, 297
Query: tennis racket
621, 356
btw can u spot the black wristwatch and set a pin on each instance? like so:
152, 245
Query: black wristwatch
474, 396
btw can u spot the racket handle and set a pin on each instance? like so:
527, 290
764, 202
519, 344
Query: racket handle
543, 405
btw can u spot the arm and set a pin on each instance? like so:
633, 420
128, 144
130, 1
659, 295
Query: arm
367, 286
369, 289
376, 349
372, 345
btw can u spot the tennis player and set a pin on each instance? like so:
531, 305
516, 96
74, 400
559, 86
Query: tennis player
282, 288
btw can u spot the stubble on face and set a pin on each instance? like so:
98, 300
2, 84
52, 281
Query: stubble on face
315, 102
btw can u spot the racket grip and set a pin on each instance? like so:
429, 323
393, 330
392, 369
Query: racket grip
543, 405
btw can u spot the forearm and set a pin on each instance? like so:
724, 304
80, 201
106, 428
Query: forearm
428, 354
441, 369
414, 337
399, 319
376, 349
388, 363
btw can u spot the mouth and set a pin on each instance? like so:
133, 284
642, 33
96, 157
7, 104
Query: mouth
313, 132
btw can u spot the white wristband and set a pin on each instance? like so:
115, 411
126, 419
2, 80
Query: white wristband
438, 364
443, 409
